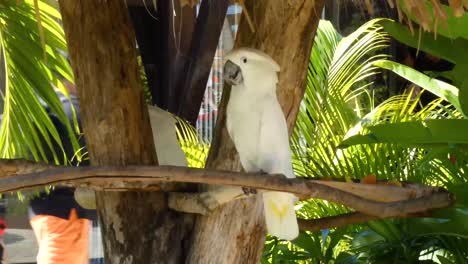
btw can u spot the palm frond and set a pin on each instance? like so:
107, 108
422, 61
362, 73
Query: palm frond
194, 147
335, 96
27, 129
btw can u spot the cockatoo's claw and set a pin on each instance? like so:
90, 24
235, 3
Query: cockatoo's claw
208, 201
249, 191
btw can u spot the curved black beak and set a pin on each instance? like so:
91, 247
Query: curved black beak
232, 73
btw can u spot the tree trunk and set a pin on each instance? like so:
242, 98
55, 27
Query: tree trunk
137, 227
285, 30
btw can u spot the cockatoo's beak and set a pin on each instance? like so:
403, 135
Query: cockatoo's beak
232, 73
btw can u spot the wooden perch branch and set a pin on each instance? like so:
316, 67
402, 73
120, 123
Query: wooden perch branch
314, 225
414, 199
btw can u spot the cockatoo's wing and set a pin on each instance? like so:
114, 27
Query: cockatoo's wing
274, 153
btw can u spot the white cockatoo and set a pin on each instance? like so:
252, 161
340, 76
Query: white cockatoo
257, 126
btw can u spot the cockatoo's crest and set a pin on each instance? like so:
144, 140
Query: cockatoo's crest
236, 56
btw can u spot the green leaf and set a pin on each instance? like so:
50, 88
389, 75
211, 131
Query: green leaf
437, 87
27, 130
464, 89
461, 193
449, 221
453, 50
444, 260
434, 133
306, 242
442, 47
366, 237
195, 149
386, 229
452, 27
336, 82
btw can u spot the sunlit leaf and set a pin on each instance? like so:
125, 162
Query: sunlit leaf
27, 130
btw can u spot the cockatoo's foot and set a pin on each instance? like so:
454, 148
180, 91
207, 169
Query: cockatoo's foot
249, 191
208, 201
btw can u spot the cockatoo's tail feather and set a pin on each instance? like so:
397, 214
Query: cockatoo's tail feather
280, 215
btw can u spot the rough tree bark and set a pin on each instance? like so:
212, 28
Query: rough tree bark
137, 227
285, 30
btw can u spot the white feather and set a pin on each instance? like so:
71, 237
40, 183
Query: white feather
280, 215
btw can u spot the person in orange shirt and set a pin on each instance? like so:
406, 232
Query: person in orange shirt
60, 224
61, 240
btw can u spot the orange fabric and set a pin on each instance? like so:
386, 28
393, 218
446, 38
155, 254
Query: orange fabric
73, 215
61, 241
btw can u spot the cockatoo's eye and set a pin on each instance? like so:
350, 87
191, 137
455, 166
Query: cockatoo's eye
244, 59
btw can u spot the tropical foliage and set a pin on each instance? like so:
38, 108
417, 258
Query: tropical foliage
448, 42
32, 44
339, 105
